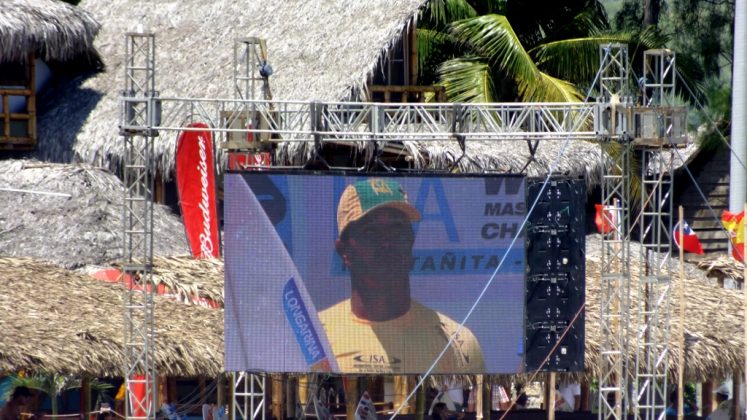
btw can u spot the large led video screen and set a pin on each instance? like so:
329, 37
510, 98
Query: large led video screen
332, 272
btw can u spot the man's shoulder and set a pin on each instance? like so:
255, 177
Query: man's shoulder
342, 307
449, 325
466, 339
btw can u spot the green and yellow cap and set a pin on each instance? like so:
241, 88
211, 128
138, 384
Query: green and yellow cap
362, 197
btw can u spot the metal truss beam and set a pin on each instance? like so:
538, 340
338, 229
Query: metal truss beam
248, 55
653, 320
659, 75
652, 323
613, 72
362, 121
248, 396
615, 290
137, 116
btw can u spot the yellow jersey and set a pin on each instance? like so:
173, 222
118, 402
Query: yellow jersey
407, 344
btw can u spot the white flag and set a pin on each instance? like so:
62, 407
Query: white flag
365, 409
322, 412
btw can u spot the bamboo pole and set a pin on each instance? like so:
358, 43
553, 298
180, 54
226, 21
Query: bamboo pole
486, 398
291, 386
706, 397
478, 397
303, 390
85, 396
278, 388
220, 389
351, 395
420, 402
681, 335
735, 399
550, 396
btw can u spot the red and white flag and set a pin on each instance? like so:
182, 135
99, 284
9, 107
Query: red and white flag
605, 220
195, 181
689, 241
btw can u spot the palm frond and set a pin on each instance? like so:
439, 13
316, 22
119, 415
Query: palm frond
492, 37
592, 19
442, 12
577, 59
52, 384
467, 80
548, 89
690, 82
651, 37
432, 46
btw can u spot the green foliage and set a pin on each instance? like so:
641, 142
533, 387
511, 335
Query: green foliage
704, 49
630, 16
713, 121
54, 384
472, 49
708, 38
544, 50
468, 80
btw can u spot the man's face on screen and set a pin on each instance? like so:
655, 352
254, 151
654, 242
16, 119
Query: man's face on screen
380, 245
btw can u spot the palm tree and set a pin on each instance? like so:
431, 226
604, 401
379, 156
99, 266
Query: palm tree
531, 51
501, 50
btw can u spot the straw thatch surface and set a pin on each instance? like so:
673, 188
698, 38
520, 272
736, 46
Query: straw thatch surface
54, 30
54, 320
83, 229
318, 50
187, 278
713, 321
723, 267
578, 159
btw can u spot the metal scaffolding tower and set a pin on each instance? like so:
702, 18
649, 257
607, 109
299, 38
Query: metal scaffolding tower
138, 116
250, 54
248, 396
652, 323
615, 281
249, 57
621, 128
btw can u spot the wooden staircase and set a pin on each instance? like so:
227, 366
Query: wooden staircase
711, 170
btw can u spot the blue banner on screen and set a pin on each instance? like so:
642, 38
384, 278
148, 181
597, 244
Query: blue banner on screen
360, 274
299, 318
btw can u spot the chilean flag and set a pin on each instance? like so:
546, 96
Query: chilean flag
690, 241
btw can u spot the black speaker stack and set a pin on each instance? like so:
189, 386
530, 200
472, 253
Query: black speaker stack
556, 276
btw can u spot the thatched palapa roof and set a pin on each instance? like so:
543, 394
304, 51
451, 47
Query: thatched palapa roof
52, 29
318, 50
54, 320
84, 228
723, 267
187, 278
713, 322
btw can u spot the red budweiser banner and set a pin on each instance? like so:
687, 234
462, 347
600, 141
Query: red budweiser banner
195, 181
